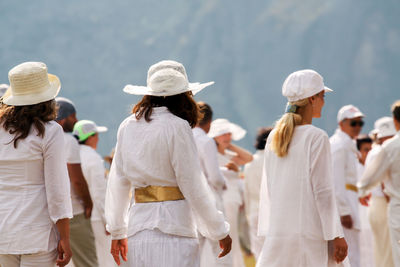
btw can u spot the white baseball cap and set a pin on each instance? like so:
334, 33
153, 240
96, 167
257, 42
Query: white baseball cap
85, 128
384, 127
348, 112
223, 126
302, 84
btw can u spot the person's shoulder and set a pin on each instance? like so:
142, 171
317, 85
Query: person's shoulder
53, 126
392, 143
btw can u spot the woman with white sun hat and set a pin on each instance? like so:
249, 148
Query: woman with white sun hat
35, 202
156, 157
230, 158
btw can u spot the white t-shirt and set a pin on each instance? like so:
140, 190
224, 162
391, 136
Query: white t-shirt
72, 152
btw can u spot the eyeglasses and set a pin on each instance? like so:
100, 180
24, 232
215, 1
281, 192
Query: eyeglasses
356, 123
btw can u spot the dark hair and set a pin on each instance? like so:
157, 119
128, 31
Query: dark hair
206, 111
261, 139
17, 120
396, 110
181, 105
362, 139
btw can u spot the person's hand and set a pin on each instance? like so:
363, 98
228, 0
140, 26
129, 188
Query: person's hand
339, 249
346, 221
119, 247
232, 167
64, 252
88, 207
226, 245
364, 200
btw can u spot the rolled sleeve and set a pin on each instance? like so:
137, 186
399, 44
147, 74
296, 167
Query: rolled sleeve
185, 161
323, 188
117, 195
56, 175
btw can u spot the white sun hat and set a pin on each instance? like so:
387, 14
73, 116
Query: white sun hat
83, 129
302, 84
223, 126
384, 127
349, 112
31, 84
166, 78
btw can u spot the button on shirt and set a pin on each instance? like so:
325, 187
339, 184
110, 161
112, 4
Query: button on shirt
344, 158
72, 152
34, 190
94, 172
161, 152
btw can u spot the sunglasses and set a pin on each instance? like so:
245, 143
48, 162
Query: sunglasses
356, 123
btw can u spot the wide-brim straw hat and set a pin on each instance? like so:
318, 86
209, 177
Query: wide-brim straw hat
223, 126
166, 78
30, 84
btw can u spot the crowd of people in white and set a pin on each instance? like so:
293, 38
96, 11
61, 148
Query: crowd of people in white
177, 183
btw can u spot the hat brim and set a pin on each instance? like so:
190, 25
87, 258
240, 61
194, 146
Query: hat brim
327, 89
31, 99
144, 90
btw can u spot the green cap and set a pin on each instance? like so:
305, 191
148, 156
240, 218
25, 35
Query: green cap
85, 128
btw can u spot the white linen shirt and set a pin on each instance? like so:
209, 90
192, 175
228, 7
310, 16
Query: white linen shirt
207, 149
72, 152
252, 182
298, 212
385, 166
94, 172
377, 191
161, 152
34, 190
344, 159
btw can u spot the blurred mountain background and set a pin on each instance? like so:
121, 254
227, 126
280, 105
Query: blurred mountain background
247, 47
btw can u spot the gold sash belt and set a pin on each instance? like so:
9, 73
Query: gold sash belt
154, 193
352, 187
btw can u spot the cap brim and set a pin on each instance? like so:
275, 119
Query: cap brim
327, 89
31, 99
144, 90
101, 129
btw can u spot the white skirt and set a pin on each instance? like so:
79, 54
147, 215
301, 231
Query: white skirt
153, 248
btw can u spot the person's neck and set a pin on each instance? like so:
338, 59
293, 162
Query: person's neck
306, 116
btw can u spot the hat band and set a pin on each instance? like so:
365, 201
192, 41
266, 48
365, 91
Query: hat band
291, 108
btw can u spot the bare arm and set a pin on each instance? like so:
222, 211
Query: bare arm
63, 249
80, 187
243, 156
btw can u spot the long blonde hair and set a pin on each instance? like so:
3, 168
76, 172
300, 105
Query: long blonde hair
284, 129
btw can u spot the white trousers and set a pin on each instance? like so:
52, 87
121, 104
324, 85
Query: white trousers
256, 242
209, 251
43, 259
153, 248
377, 215
352, 237
231, 214
103, 245
394, 229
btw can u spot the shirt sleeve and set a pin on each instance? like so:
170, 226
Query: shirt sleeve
98, 184
339, 168
72, 149
374, 172
117, 195
215, 177
56, 178
323, 188
193, 185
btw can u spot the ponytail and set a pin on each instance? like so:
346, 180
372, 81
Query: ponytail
284, 128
